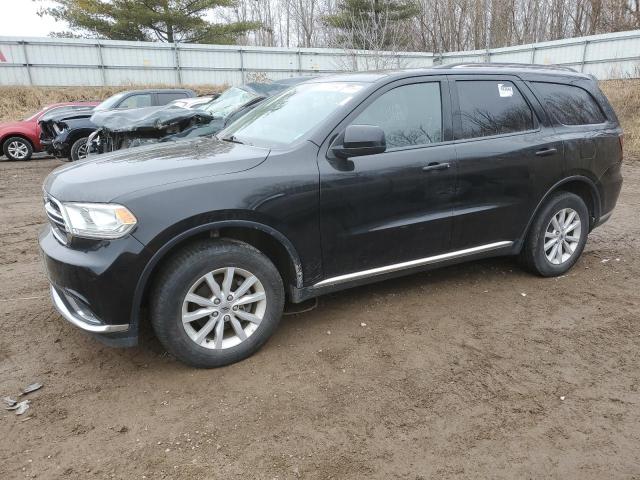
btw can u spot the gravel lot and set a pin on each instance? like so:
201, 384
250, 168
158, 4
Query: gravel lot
475, 371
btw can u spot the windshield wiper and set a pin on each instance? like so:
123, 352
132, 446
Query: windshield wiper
232, 139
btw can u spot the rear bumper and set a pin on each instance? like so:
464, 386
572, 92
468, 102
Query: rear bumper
609, 188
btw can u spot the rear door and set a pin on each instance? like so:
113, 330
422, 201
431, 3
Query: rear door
508, 156
382, 209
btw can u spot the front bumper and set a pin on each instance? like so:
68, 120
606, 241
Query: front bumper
80, 315
93, 284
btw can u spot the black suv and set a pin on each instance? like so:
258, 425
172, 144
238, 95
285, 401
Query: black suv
333, 183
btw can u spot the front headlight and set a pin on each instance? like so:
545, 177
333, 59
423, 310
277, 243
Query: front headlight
98, 220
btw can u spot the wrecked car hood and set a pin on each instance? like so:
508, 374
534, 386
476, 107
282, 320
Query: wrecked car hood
148, 118
106, 177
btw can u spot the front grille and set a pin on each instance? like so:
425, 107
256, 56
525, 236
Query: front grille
54, 214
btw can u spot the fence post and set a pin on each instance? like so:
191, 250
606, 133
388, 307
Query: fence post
241, 66
533, 54
176, 56
102, 65
584, 55
26, 60
299, 63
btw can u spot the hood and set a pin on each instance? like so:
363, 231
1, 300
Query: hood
148, 118
109, 176
12, 125
63, 116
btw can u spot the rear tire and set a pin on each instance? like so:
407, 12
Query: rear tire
557, 236
17, 149
205, 334
79, 149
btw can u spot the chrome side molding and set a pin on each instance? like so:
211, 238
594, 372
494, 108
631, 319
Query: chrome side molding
412, 263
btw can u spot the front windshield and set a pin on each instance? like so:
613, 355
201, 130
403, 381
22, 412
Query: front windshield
288, 116
227, 103
110, 102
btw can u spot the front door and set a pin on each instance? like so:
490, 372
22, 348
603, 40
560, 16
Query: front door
387, 208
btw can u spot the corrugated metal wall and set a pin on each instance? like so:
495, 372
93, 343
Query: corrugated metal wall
65, 62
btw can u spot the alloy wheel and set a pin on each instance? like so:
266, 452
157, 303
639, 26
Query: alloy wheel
223, 308
562, 236
83, 152
18, 150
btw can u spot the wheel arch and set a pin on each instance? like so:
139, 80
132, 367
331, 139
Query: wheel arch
580, 185
77, 134
13, 135
275, 245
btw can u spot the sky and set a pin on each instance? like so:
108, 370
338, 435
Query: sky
19, 18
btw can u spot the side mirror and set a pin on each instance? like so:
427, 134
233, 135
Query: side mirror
359, 140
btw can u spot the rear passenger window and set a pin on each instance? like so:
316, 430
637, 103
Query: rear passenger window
168, 97
492, 107
410, 115
568, 104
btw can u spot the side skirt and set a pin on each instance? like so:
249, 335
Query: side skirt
363, 277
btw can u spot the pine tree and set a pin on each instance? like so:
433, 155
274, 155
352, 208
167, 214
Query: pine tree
150, 20
363, 23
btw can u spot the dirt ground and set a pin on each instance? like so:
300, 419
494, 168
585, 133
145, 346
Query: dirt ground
475, 371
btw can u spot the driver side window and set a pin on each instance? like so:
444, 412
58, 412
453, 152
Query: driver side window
410, 115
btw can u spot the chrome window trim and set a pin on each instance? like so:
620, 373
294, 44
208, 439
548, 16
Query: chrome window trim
412, 263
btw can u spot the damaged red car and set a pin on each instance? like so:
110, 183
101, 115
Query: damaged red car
20, 140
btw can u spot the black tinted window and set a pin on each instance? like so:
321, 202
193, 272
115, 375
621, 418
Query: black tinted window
568, 105
168, 97
409, 115
491, 107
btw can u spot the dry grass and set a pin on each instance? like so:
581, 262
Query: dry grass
624, 95
19, 102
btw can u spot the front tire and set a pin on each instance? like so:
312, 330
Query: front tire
79, 149
17, 149
557, 236
216, 303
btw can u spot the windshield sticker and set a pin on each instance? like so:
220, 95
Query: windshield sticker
505, 90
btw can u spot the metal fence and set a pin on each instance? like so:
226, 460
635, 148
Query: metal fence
67, 62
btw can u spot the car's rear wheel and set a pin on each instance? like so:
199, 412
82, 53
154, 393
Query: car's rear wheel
216, 303
79, 149
17, 148
557, 236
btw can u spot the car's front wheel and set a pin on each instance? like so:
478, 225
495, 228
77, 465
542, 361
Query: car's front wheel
557, 236
216, 303
17, 148
79, 149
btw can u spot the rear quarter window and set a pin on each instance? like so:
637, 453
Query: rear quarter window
491, 107
568, 104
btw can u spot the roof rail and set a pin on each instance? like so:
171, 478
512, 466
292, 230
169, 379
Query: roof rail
507, 65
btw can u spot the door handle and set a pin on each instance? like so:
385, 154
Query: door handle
545, 152
435, 166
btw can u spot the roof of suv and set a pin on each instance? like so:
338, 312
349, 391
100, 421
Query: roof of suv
459, 68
